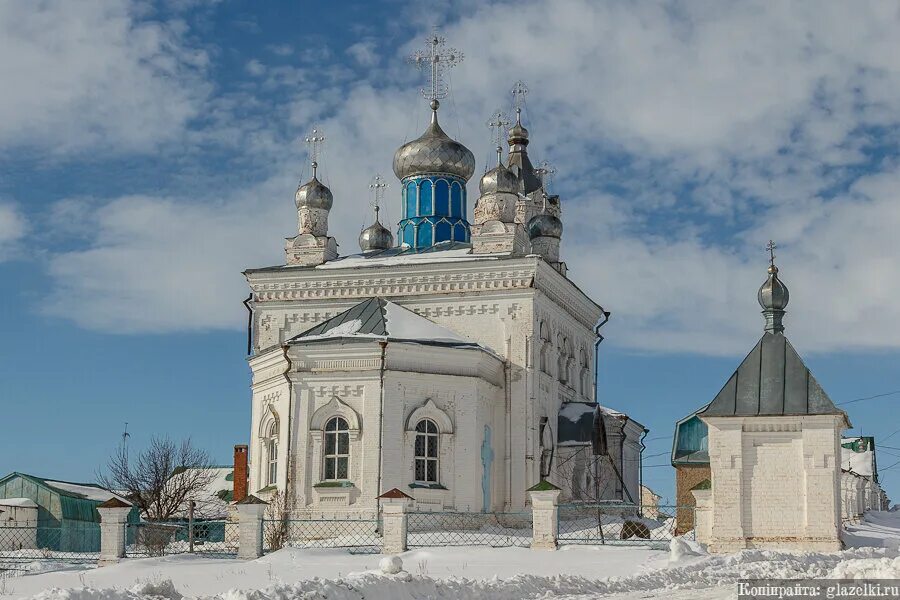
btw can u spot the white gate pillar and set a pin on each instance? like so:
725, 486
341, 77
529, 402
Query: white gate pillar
544, 515
113, 518
250, 527
394, 521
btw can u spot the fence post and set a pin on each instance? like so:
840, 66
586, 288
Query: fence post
250, 523
702, 515
394, 521
544, 515
113, 518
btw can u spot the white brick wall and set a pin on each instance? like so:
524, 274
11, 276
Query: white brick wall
776, 483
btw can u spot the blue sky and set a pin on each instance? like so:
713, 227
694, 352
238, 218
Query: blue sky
149, 152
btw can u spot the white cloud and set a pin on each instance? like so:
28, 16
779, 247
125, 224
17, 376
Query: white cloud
91, 74
255, 68
364, 53
685, 137
157, 265
13, 227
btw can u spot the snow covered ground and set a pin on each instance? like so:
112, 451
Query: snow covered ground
573, 572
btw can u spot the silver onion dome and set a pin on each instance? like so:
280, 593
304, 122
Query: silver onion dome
434, 152
499, 179
544, 225
517, 134
314, 194
376, 237
773, 295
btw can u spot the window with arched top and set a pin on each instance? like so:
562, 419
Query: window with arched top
456, 202
337, 450
442, 198
409, 234
442, 231
426, 452
425, 197
271, 446
412, 200
425, 235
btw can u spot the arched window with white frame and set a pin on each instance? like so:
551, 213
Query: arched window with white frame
272, 453
427, 467
337, 450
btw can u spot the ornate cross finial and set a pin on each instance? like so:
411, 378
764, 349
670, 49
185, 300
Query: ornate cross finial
498, 123
545, 172
771, 246
438, 58
519, 91
314, 142
378, 185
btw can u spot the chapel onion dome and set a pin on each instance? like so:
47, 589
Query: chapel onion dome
773, 295
434, 152
499, 179
314, 194
544, 225
376, 237
517, 133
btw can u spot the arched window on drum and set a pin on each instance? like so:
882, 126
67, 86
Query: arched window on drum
456, 203
442, 198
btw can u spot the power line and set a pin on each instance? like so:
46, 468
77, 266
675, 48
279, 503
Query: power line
890, 467
869, 397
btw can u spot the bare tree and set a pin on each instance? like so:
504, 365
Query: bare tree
162, 479
276, 532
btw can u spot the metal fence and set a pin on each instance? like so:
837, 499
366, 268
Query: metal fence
499, 529
173, 537
358, 535
24, 544
619, 524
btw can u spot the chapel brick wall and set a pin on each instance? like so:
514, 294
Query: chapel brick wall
686, 478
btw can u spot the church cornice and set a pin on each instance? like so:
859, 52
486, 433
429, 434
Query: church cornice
288, 285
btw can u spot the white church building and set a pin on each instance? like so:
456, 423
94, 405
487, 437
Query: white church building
439, 364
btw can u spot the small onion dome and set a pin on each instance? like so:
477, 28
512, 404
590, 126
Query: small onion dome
434, 152
499, 179
773, 295
314, 194
544, 225
517, 134
376, 237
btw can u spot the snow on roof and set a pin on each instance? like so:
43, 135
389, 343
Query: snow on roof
380, 319
404, 324
88, 491
18, 502
573, 411
452, 252
213, 500
858, 455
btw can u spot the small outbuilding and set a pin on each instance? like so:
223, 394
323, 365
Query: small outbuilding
50, 514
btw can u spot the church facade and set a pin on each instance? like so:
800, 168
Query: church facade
438, 364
